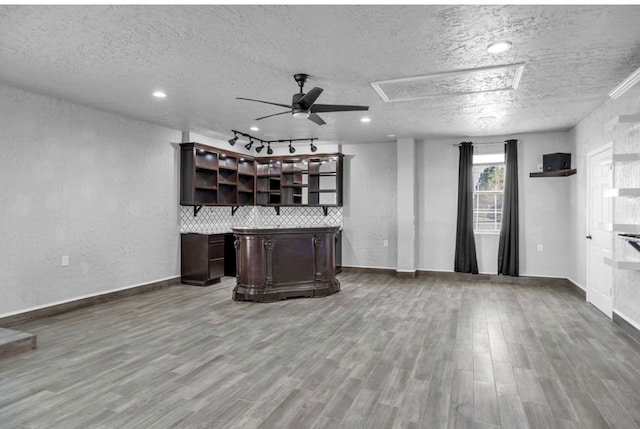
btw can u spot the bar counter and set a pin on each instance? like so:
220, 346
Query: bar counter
279, 263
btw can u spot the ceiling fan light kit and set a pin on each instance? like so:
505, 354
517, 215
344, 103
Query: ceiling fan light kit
303, 106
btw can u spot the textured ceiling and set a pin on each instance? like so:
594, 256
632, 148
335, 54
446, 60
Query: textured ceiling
113, 57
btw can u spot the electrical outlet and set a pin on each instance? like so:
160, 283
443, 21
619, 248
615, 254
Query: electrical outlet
540, 247
385, 243
65, 260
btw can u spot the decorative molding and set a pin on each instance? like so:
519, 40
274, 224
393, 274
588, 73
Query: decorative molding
468, 81
65, 307
626, 84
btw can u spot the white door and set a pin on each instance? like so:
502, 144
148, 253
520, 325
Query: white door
599, 237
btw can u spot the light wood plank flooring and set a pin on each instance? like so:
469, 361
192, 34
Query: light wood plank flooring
383, 353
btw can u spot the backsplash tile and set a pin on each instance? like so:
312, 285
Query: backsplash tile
213, 220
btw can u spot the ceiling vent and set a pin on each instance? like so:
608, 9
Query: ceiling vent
470, 81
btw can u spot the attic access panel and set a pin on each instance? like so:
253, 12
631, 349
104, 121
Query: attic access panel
469, 81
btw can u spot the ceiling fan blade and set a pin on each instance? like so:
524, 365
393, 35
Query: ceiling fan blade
275, 114
319, 108
317, 119
310, 98
266, 102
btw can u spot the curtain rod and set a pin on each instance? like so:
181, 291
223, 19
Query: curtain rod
502, 142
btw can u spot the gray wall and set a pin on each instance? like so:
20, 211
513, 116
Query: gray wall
544, 206
370, 212
370, 199
98, 187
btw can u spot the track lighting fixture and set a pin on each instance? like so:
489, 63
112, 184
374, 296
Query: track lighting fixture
249, 145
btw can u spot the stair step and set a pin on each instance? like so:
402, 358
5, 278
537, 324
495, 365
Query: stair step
15, 342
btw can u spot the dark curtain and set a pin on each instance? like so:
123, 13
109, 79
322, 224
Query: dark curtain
508, 247
465, 258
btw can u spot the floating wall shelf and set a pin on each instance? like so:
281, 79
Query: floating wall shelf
622, 227
622, 119
622, 192
558, 173
623, 264
625, 157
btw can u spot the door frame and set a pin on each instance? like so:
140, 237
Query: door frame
590, 155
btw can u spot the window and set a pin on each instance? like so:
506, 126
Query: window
488, 193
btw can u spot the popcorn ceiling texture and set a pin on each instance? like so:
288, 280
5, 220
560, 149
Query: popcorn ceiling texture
105, 55
212, 220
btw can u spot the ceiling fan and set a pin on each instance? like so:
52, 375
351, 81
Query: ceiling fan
304, 106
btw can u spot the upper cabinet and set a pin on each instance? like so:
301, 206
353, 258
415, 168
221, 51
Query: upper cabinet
325, 181
199, 175
216, 177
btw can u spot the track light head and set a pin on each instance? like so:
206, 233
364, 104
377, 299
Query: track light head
259, 148
248, 145
269, 150
233, 140
291, 148
313, 147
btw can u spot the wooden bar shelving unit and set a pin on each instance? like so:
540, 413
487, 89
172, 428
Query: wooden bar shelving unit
215, 177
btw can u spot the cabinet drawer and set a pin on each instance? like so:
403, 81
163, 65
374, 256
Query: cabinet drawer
216, 268
216, 250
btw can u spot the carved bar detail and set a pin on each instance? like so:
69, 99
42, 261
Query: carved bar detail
278, 263
268, 249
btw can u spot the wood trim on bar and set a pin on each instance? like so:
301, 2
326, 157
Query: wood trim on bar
41, 313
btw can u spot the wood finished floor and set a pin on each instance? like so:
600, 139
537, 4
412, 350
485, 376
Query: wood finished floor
383, 353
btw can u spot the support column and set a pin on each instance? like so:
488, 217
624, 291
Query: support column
406, 168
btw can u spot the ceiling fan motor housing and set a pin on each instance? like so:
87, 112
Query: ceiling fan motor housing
297, 109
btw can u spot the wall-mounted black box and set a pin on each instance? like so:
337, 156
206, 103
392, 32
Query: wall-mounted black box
556, 161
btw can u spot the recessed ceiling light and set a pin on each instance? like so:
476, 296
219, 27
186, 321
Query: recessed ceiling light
365, 119
391, 135
498, 47
254, 128
160, 94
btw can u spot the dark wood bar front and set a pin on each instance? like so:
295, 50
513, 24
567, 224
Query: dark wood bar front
279, 263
